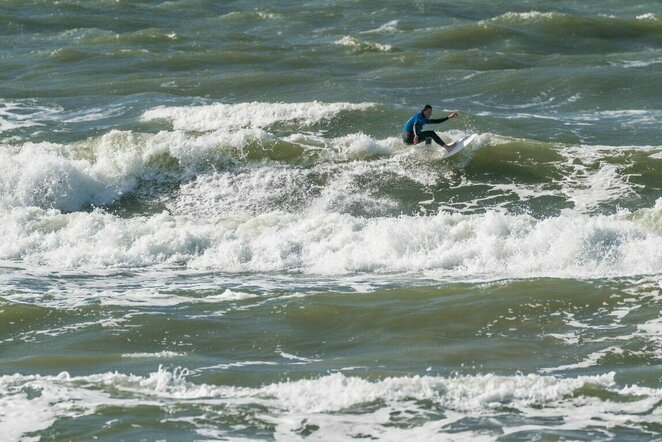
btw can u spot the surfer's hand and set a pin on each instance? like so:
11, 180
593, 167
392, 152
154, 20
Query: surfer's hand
416, 140
453, 115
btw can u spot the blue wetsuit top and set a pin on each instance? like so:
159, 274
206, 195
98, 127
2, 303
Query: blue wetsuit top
415, 124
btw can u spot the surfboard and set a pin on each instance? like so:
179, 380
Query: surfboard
460, 144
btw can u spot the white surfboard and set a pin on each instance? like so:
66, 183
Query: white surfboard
460, 144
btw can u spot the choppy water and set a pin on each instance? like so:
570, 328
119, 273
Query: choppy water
210, 229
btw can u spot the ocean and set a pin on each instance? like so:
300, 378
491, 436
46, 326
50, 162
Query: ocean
210, 228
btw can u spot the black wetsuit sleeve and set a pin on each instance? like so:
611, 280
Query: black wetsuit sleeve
438, 120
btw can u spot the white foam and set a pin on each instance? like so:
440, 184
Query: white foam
248, 115
647, 16
92, 114
594, 188
328, 186
483, 246
21, 114
267, 15
590, 361
533, 16
96, 239
48, 175
330, 402
99, 171
390, 26
640, 63
359, 143
625, 117
229, 295
157, 287
157, 355
335, 197
652, 330
469, 393
249, 190
239, 364
363, 45
650, 219
297, 358
592, 181
570, 338
7, 124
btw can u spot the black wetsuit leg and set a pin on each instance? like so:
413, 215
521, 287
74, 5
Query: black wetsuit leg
431, 134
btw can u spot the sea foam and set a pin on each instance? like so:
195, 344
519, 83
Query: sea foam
242, 115
446, 246
100, 170
330, 401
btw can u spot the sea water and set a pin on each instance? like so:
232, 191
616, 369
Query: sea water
211, 230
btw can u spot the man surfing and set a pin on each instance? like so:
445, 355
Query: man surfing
413, 133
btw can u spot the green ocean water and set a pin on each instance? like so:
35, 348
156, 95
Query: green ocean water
210, 228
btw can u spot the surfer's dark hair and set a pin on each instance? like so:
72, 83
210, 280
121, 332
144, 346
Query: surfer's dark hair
426, 107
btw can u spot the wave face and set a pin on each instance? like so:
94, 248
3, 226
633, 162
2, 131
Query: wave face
210, 228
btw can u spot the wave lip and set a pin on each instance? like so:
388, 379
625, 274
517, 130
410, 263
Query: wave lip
363, 46
43, 175
69, 177
254, 114
390, 26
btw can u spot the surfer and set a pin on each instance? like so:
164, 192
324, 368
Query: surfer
413, 133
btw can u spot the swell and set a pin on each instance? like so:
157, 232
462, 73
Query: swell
549, 32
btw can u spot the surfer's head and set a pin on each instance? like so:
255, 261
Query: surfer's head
427, 110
